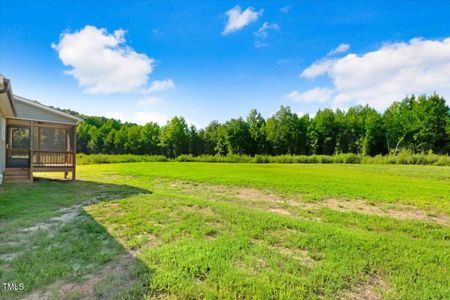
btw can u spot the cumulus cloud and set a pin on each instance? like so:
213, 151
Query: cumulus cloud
160, 85
339, 49
263, 30
102, 62
317, 68
388, 73
238, 19
311, 96
150, 101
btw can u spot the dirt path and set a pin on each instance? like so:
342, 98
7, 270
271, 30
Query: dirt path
105, 283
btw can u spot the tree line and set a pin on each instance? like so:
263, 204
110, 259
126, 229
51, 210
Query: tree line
419, 124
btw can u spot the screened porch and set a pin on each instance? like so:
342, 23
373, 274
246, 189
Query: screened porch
40, 146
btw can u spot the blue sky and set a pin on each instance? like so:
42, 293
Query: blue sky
308, 55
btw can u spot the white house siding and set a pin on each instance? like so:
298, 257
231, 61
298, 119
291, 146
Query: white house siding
25, 110
2, 142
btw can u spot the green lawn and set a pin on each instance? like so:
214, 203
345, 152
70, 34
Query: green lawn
209, 230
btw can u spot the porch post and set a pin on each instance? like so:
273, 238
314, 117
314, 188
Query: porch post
66, 149
74, 152
31, 149
39, 146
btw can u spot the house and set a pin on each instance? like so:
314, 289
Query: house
34, 138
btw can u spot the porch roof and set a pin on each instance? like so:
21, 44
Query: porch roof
17, 107
31, 110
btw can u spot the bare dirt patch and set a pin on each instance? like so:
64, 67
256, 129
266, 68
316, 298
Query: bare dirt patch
63, 216
297, 254
207, 211
401, 211
370, 290
244, 193
251, 265
280, 210
66, 215
86, 289
277, 201
9, 256
139, 243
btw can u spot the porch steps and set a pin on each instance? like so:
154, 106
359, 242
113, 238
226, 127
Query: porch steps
17, 175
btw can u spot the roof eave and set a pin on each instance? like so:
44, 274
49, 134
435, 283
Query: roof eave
44, 107
7, 89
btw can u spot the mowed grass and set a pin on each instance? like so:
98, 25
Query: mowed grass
422, 186
200, 230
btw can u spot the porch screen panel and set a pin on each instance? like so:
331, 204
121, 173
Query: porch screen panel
50, 139
51, 146
20, 137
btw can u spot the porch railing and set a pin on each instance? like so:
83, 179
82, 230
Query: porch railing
45, 159
18, 153
50, 159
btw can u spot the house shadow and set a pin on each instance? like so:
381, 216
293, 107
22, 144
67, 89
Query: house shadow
46, 229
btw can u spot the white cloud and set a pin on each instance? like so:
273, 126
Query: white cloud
285, 10
160, 85
115, 115
150, 101
262, 31
145, 117
339, 49
101, 62
317, 68
388, 73
238, 20
310, 96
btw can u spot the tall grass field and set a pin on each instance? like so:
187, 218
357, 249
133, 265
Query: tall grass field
403, 157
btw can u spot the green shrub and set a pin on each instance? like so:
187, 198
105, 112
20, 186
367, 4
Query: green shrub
402, 157
86, 159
